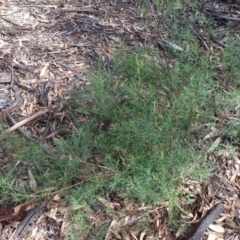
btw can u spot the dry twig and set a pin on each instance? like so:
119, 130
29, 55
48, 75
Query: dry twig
24, 121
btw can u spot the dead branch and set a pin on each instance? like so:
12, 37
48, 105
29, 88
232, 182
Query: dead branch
1, 15
41, 6
26, 135
24, 121
200, 38
94, 12
207, 220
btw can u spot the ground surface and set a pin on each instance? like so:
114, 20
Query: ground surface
46, 50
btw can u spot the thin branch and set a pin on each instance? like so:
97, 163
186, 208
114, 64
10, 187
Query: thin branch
26, 135
24, 121
200, 38
109, 229
226, 17
41, 6
1, 15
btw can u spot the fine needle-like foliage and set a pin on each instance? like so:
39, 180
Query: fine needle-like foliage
139, 119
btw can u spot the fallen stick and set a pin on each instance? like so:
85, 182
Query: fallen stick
207, 220
109, 229
200, 38
25, 134
41, 6
83, 11
24, 121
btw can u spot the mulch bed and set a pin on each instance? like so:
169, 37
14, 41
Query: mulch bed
46, 51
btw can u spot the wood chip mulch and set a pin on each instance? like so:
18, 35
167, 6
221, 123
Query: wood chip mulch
45, 51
